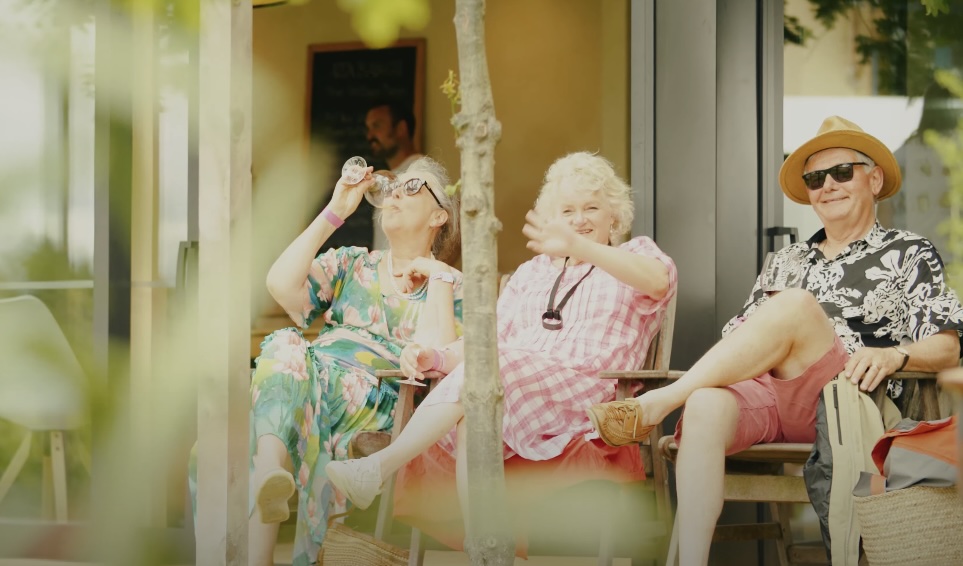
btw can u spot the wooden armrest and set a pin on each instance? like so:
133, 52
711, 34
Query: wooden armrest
641, 374
397, 373
912, 375
676, 374
929, 405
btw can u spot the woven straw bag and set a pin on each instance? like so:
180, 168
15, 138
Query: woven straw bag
343, 546
917, 525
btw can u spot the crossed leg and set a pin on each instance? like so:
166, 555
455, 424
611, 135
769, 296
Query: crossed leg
785, 336
361, 479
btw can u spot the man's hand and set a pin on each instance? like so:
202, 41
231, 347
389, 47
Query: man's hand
867, 367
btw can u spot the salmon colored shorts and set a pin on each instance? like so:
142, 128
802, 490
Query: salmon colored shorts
779, 410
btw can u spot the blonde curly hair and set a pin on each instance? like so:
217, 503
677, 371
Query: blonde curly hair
589, 172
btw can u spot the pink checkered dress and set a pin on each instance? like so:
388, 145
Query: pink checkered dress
550, 375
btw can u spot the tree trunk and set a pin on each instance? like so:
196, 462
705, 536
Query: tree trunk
489, 539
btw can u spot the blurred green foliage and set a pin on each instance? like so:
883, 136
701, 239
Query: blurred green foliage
949, 145
901, 39
379, 22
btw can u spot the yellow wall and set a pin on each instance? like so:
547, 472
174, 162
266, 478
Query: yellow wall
559, 78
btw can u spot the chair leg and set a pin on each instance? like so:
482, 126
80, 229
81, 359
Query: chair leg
780, 514
385, 509
16, 464
660, 478
416, 549
59, 475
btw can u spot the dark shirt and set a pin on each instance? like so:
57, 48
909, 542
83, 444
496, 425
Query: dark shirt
882, 290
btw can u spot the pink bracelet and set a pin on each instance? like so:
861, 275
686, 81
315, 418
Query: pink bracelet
439, 362
332, 218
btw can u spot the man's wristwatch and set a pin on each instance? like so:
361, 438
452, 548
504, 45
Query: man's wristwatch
443, 276
903, 351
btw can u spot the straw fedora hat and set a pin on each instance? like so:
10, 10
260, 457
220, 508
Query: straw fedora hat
838, 132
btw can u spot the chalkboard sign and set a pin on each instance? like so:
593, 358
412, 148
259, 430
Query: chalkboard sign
344, 81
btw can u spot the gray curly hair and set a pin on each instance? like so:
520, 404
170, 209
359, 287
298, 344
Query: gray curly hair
589, 172
449, 237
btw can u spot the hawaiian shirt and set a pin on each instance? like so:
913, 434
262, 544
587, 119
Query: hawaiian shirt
882, 290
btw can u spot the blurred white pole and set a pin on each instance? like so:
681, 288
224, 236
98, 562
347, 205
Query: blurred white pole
143, 269
224, 209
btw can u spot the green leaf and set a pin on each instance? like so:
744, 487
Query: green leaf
936, 7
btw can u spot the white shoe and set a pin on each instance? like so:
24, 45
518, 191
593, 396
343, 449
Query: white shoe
273, 493
359, 480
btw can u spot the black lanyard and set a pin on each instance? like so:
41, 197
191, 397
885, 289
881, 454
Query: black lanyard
552, 318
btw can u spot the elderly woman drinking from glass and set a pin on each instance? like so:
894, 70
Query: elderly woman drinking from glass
581, 305
309, 399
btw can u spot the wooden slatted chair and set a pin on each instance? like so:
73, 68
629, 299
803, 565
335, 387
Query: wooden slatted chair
656, 364
757, 475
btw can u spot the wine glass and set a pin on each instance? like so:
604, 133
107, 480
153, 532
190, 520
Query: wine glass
411, 380
353, 172
783, 271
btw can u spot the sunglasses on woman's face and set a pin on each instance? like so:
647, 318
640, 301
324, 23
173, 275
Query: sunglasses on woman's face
842, 173
412, 187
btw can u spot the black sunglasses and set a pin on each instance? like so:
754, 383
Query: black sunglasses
842, 173
412, 186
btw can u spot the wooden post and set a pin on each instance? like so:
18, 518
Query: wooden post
224, 203
151, 503
489, 539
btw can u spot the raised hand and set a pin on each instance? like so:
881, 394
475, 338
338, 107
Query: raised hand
552, 237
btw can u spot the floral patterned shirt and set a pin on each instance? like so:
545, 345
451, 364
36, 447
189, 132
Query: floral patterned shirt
344, 289
882, 290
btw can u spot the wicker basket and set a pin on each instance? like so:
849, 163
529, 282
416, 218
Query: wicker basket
344, 546
918, 525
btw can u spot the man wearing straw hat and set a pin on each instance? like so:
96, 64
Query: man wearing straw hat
873, 302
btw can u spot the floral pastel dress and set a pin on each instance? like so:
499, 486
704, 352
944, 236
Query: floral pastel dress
315, 396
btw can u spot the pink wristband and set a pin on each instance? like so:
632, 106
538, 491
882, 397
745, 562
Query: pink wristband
332, 218
439, 362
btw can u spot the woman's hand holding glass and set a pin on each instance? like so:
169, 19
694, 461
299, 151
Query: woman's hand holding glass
350, 189
418, 362
356, 173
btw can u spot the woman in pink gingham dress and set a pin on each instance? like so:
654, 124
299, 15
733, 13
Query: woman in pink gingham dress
606, 306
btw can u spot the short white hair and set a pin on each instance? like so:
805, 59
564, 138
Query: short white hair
590, 172
860, 156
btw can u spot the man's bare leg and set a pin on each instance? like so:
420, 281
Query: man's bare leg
711, 416
786, 335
